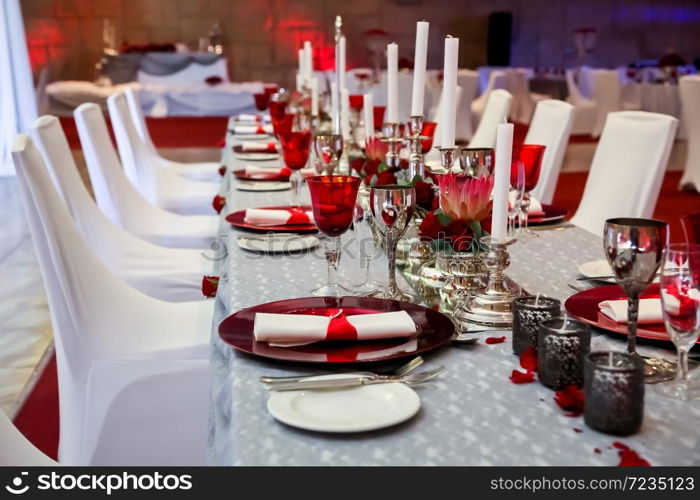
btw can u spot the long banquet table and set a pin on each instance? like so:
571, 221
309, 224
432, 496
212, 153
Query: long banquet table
471, 415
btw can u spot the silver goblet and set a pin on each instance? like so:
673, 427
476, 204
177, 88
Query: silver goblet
476, 162
392, 207
328, 148
634, 249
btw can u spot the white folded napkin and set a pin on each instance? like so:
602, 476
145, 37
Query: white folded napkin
252, 129
246, 117
258, 147
271, 217
266, 170
650, 311
535, 205
300, 329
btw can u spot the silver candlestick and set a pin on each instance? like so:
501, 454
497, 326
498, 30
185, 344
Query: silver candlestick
416, 162
392, 136
447, 157
493, 306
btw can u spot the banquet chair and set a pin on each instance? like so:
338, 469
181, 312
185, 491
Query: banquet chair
607, 94
468, 81
497, 80
436, 116
627, 169
159, 185
691, 227
97, 317
550, 126
524, 101
584, 108
165, 273
122, 203
496, 112
16, 450
689, 88
199, 171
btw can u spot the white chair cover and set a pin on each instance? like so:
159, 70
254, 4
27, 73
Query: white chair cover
16, 450
497, 80
95, 316
159, 185
524, 101
164, 273
496, 112
122, 203
550, 126
468, 81
199, 171
607, 94
436, 116
627, 168
584, 109
690, 103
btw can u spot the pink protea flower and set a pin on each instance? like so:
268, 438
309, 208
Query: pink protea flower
465, 198
376, 149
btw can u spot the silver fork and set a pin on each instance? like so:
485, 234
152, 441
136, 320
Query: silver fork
356, 381
401, 370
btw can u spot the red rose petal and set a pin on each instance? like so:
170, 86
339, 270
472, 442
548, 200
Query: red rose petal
218, 203
597, 451
630, 458
528, 359
495, 340
577, 430
620, 446
210, 284
222, 170
570, 399
518, 377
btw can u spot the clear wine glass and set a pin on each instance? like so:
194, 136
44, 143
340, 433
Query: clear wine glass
392, 207
634, 249
680, 300
476, 162
515, 198
329, 148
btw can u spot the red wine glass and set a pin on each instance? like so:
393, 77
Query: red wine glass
296, 147
333, 199
530, 155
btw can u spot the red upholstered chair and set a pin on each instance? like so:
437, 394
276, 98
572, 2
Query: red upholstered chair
691, 227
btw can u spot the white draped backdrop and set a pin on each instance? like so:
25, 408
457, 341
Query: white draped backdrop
17, 99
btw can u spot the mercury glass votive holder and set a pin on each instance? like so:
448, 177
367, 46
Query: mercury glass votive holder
528, 313
614, 392
562, 346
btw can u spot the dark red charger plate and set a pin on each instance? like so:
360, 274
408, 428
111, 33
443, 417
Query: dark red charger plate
239, 149
435, 330
241, 174
551, 214
584, 306
236, 219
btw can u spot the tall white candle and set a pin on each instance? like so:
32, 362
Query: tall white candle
342, 63
308, 63
392, 82
449, 89
368, 109
314, 96
504, 152
300, 81
301, 71
345, 112
335, 106
419, 68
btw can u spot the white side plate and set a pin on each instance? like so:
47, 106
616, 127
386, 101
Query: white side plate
356, 409
277, 244
262, 186
256, 156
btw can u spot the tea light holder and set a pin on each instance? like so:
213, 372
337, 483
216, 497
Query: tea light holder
528, 313
392, 136
614, 392
447, 158
416, 162
562, 346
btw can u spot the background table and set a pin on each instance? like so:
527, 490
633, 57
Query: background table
471, 415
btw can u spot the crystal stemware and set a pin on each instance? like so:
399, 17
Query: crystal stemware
261, 101
515, 198
531, 157
476, 162
295, 152
329, 148
333, 200
634, 249
283, 125
680, 300
427, 136
392, 207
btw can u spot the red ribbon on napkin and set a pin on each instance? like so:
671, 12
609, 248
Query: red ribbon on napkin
340, 328
298, 216
260, 130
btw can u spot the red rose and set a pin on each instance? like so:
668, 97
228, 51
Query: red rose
222, 170
424, 194
371, 168
210, 284
385, 178
218, 203
430, 228
357, 164
460, 234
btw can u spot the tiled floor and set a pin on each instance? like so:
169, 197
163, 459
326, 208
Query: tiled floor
25, 326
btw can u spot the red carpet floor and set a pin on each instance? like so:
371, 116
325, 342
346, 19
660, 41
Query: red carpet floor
38, 418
